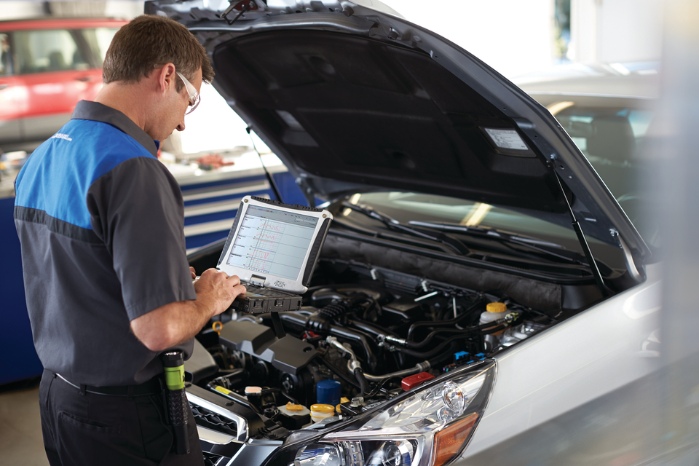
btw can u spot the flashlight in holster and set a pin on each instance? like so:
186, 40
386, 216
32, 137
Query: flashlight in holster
173, 365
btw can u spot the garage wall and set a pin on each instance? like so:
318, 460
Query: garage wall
516, 36
616, 30
512, 36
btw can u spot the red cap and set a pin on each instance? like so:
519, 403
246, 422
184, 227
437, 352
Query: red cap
415, 380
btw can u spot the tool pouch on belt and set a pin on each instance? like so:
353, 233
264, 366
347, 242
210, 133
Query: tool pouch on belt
173, 365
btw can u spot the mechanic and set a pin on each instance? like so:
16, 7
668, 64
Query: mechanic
108, 286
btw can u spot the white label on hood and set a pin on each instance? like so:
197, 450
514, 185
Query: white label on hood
506, 139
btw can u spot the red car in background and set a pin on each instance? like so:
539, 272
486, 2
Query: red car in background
46, 67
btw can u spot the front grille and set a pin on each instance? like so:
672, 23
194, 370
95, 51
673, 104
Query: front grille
213, 421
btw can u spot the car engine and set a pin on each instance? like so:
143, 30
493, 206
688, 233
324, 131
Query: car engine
365, 334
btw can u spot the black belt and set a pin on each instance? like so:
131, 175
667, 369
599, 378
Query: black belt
152, 387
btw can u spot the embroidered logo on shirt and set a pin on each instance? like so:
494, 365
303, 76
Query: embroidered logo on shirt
62, 136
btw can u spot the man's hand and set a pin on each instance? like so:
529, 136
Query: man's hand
218, 289
174, 323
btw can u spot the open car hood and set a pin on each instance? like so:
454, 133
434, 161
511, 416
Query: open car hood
354, 100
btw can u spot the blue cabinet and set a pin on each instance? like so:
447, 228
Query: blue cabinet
18, 360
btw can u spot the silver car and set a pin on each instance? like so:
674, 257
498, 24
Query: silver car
481, 296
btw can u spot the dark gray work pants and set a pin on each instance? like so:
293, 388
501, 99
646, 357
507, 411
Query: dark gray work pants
91, 429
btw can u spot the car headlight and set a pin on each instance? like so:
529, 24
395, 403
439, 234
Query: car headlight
427, 427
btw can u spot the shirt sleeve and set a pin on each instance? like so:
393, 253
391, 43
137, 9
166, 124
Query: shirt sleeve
137, 210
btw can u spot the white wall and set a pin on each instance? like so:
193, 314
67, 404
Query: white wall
616, 30
516, 36
512, 36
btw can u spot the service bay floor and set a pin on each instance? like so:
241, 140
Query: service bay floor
20, 427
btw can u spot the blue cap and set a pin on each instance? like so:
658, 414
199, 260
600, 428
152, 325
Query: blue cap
328, 392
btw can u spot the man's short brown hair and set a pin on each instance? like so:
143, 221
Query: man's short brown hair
148, 41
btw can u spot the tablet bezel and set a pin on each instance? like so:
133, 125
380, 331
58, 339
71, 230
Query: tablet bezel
297, 285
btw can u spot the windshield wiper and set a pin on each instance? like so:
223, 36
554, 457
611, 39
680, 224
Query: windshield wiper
534, 244
393, 224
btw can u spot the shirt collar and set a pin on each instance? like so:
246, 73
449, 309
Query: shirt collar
88, 110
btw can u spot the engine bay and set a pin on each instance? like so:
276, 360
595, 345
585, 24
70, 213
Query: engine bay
365, 334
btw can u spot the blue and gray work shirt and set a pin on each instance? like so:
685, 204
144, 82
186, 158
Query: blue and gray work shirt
100, 221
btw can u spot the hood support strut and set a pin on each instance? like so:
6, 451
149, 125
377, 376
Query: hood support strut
583, 242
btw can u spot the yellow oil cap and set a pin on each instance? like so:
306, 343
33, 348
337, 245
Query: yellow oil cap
321, 408
294, 407
496, 307
321, 411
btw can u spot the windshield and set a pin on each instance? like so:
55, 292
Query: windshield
418, 209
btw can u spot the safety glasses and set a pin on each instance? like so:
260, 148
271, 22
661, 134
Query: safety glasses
194, 97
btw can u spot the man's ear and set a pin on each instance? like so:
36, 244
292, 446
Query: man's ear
165, 77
